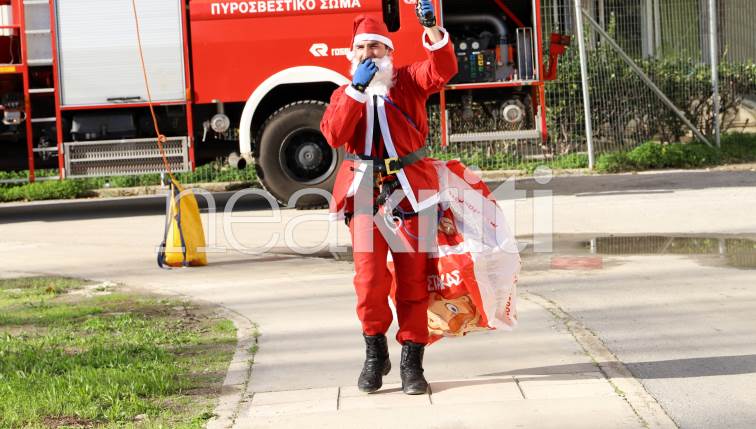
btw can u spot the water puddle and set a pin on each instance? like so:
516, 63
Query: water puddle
710, 250
590, 252
735, 252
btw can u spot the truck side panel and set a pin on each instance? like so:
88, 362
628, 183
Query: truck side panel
97, 47
235, 49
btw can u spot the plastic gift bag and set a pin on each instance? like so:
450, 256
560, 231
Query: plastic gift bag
472, 277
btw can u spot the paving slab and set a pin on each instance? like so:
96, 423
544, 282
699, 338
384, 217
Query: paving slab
283, 403
536, 390
475, 390
594, 402
390, 396
590, 413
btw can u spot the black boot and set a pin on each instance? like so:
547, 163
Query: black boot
377, 363
411, 369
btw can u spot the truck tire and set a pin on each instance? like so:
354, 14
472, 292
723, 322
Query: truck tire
294, 154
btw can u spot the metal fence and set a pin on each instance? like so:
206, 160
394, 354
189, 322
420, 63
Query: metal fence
666, 40
669, 41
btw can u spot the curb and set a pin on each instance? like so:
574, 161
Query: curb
238, 373
151, 191
489, 176
162, 190
500, 175
239, 369
651, 414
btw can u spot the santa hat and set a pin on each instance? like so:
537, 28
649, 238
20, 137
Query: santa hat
368, 28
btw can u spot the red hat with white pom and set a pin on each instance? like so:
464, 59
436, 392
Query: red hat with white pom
367, 28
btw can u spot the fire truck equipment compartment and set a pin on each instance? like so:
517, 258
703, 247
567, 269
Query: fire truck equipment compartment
97, 47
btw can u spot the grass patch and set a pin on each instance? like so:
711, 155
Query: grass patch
24, 174
49, 190
735, 148
501, 160
118, 360
738, 147
562, 162
216, 171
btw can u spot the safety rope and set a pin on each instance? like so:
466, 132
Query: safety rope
160, 137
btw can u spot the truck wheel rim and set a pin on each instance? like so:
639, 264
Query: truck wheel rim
306, 157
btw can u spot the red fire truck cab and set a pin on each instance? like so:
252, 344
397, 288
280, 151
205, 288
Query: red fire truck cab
251, 77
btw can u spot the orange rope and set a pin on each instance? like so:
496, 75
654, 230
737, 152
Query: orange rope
160, 137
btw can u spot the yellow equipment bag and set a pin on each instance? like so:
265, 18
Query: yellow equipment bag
184, 240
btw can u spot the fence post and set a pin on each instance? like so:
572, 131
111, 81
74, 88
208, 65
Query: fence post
714, 55
584, 80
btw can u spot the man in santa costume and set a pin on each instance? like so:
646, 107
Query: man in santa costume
381, 121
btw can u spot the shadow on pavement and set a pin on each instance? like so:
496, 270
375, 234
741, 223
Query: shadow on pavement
441, 386
253, 259
674, 368
114, 208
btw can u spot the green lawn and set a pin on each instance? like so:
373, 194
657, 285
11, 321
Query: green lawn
69, 359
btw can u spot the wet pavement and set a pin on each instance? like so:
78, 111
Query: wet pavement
588, 252
581, 251
679, 311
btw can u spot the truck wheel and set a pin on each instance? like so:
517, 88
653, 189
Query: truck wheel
295, 155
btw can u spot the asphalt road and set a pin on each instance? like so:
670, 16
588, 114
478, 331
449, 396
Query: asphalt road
685, 326
100, 208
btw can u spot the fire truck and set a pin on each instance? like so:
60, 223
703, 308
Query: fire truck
249, 77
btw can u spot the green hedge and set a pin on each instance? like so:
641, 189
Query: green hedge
624, 118
24, 174
216, 171
52, 190
736, 148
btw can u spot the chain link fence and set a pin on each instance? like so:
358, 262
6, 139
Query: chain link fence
669, 42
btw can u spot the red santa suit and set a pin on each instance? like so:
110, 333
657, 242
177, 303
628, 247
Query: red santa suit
403, 122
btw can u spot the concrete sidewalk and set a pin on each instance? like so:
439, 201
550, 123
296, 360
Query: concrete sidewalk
486, 380
311, 349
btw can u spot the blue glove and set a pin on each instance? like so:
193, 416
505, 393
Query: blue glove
364, 74
425, 13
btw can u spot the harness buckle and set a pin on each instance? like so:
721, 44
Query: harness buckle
389, 169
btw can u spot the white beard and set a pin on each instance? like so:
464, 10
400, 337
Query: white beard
383, 79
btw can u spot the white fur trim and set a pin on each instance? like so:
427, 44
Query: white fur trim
364, 37
356, 95
438, 45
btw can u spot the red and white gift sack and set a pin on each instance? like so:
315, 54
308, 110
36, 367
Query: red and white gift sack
472, 278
